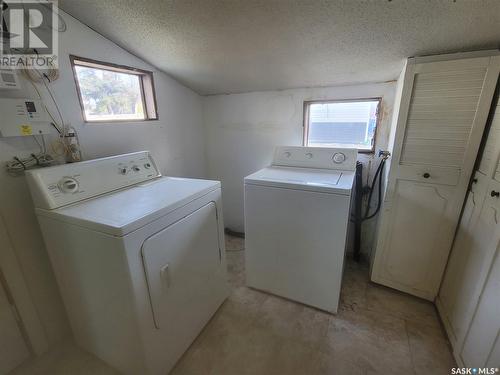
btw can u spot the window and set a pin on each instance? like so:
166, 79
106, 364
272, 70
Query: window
109, 92
345, 123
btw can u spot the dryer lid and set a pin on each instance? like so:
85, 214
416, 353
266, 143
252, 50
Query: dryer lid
126, 210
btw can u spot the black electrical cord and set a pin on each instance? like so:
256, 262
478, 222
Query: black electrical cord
378, 175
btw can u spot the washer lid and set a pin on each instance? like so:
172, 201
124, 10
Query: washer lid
126, 210
322, 180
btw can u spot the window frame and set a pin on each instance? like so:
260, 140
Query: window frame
145, 78
307, 104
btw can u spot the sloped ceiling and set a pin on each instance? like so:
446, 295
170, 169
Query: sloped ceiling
215, 46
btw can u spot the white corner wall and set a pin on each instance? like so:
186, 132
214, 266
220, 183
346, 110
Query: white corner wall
176, 140
243, 129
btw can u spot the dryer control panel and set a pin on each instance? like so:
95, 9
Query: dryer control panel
65, 184
343, 159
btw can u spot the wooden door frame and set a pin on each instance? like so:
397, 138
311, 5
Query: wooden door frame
13, 274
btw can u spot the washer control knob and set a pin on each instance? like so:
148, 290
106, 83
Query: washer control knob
287, 154
68, 185
135, 168
123, 170
338, 158
309, 155
147, 165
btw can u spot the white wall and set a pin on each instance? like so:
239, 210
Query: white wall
243, 129
176, 141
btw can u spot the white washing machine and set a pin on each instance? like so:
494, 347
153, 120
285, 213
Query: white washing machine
296, 219
139, 258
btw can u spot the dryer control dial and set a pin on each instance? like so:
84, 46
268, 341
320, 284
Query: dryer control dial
338, 158
68, 185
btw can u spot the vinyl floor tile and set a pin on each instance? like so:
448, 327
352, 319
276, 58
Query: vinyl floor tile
376, 331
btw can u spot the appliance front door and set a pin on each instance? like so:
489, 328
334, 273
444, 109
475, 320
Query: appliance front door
186, 276
295, 243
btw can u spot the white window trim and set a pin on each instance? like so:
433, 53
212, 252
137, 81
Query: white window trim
148, 94
306, 118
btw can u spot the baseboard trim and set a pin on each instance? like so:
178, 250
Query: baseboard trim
449, 332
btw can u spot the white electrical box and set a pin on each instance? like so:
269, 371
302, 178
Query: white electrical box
21, 117
9, 80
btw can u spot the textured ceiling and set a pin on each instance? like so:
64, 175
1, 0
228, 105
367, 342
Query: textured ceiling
216, 46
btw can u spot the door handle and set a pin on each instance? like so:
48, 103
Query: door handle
426, 175
474, 180
495, 193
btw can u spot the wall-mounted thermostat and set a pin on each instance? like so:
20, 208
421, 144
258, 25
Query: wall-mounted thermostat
21, 117
9, 79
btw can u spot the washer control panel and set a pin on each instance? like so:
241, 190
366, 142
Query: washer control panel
61, 185
316, 157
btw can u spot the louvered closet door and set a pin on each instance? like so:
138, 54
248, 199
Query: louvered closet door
443, 112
